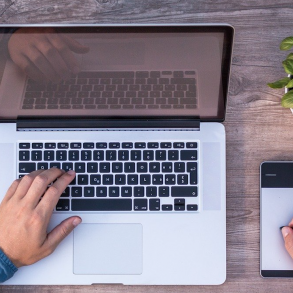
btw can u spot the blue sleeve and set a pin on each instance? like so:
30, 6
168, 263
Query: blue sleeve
7, 268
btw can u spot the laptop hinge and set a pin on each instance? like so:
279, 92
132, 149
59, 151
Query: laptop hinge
107, 124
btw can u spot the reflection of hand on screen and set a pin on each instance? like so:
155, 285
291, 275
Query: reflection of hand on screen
44, 54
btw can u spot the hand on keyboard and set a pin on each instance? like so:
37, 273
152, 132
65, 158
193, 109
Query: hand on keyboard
45, 54
25, 213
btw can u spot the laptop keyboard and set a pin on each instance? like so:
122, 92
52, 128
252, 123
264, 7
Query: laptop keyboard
115, 90
119, 176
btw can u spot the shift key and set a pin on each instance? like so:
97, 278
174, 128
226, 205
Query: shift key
184, 191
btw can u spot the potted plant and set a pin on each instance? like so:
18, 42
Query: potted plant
286, 82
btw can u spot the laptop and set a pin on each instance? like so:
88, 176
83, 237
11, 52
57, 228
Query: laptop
139, 120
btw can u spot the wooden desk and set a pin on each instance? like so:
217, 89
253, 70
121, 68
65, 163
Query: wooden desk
257, 127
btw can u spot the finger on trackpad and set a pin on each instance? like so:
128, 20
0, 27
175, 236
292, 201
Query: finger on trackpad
107, 249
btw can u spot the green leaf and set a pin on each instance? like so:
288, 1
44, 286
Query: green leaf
288, 66
287, 100
290, 84
279, 83
290, 56
286, 44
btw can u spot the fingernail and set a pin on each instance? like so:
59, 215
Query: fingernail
76, 221
285, 231
71, 172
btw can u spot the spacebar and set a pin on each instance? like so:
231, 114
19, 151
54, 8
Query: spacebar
108, 204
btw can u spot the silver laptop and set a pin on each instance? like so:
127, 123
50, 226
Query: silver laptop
139, 122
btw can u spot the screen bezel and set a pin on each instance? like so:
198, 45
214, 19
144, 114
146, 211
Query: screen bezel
226, 29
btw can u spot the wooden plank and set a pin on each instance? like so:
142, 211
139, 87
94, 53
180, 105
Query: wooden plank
257, 127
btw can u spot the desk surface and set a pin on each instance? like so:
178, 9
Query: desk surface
257, 127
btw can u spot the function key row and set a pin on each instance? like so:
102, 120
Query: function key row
105, 145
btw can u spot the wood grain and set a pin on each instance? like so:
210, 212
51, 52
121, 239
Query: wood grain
257, 127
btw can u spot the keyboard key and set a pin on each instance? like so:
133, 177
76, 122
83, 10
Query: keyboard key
111, 155
73, 156
154, 204
192, 207
24, 156
65, 193
153, 145
86, 155
43, 166
101, 145
167, 167
193, 178
36, 155
170, 179
178, 145
135, 155
89, 192
37, 145
123, 155
182, 179
76, 191
49, 155
24, 145
114, 191
104, 167
126, 191
127, 145
151, 191
145, 179
101, 191
142, 167
173, 155
189, 155
101, 204
139, 191
75, 145
26, 167
108, 179
50, 145
67, 166
114, 145
140, 204
140, 145
120, 179
184, 191
157, 179
160, 155
98, 155
79, 167
179, 167
61, 155
132, 179
63, 205
92, 167
191, 145
95, 179
88, 145
63, 145
83, 179
167, 207
55, 165
129, 167
148, 155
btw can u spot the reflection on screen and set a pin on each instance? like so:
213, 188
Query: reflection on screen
89, 72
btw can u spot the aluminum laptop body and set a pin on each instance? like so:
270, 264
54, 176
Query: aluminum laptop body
144, 97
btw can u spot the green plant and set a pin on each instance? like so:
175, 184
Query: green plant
287, 99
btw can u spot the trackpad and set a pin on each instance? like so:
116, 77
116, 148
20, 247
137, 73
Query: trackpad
107, 249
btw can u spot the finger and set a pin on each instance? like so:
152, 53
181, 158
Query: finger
60, 232
11, 190
26, 183
287, 233
65, 53
39, 59
291, 223
29, 68
54, 58
52, 195
40, 184
75, 46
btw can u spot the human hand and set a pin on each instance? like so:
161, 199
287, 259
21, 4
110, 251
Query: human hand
287, 232
44, 54
24, 216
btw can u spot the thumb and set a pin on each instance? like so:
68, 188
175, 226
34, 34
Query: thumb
75, 46
61, 231
287, 233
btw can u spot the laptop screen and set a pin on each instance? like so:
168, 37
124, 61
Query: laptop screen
116, 71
